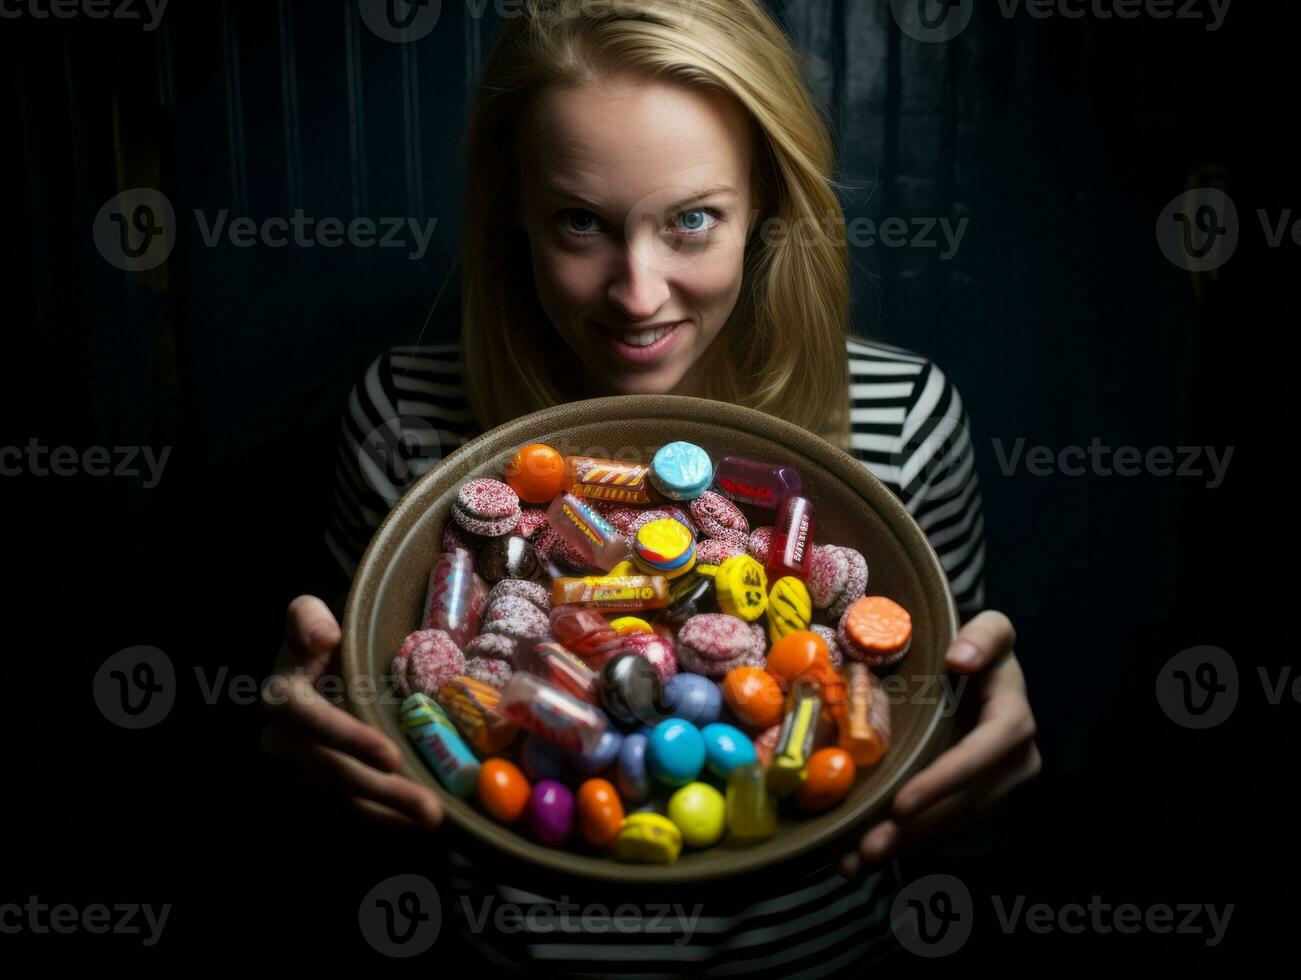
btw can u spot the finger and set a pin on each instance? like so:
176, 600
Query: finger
293, 703
312, 635
1006, 727
987, 637
373, 812
341, 775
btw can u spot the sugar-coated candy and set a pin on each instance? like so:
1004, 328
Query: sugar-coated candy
720, 519
615, 593
791, 549
681, 470
754, 696
584, 631
607, 479
751, 808
551, 812
758, 544
789, 607
515, 617
536, 472
833, 646
503, 790
594, 540
741, 588
631, 774
438, 741
875, 630
675, 753
541, 760
508, 556
620, 515
494, 673
630, 624
714, 643
532, 522
693, 698
534, 592
456, 597
486, 507
830, 775
700, 813
752, 482
491, 646
648, 837
566, 670
664, 547
726, 747
600, 812
475, 709
789, 766
656, 648
630, 691
431, 659
865, 731
552, 714
848, 580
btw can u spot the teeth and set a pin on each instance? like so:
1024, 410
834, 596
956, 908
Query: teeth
645, 338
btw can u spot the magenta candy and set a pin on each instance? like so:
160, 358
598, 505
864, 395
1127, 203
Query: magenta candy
551, 812
753, 482
455, 599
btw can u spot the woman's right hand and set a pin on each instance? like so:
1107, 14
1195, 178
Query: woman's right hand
323, 745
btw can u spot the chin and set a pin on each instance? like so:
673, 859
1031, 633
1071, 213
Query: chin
650, 383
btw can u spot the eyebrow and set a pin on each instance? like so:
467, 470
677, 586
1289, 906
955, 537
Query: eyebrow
690, 199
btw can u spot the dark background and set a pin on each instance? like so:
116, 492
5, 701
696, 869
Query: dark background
1059, 319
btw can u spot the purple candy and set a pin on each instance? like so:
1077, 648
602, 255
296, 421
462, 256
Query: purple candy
551, 812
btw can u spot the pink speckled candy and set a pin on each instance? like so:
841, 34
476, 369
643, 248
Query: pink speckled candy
455, 537
487, 507
719, 518
515, 617
855, 586
494, 673
532, 520
837, 577
834, 651
493, 646
714, 643
399, 671
432, 660
534, 592
715, 551
619, 515
757, 545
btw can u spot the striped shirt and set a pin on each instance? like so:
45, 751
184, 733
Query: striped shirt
909, 427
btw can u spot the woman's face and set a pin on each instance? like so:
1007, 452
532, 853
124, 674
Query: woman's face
636, 199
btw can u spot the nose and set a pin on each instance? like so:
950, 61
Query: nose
637, 288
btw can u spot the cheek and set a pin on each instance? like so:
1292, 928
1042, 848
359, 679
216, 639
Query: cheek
567, 282
712, 286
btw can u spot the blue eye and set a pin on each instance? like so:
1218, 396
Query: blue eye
696, 225
581, 215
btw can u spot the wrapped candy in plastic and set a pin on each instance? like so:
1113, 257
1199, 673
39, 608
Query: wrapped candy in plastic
584, 631
749, 481
588, 534
607, 479
456, 597
751, 808
564, 669
617, 593
788, 768
552, 714
475, 709
865, 731
791, 549
442, 747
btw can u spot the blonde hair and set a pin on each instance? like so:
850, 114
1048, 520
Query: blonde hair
782, 351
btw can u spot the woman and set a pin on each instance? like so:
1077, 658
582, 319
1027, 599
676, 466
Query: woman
650, 209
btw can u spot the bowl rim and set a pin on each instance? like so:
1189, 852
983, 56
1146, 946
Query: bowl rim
506, 839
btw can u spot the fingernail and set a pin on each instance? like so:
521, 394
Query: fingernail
849, 866
965, 652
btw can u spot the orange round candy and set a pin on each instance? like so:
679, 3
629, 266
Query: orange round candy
796, 654
600, 812
503, 789
753, 695
535, 472
879, 625
830, 775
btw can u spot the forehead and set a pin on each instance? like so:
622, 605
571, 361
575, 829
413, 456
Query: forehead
623, 138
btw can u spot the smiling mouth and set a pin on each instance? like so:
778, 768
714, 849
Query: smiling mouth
642, 345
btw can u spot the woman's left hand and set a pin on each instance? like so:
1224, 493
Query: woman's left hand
997, 754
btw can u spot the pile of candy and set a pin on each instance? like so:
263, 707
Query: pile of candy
652, 650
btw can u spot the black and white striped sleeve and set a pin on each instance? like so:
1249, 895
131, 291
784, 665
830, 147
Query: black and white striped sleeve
910, 427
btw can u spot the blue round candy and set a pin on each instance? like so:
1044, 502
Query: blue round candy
726, 747
601, 757
681, 470
694, 698
675, 753
541, 760
630, 774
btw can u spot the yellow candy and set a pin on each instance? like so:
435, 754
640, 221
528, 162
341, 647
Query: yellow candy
741, 587
700, 813
710, 570
624, 567
790, 608
664, 540
648, 837
630, 624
